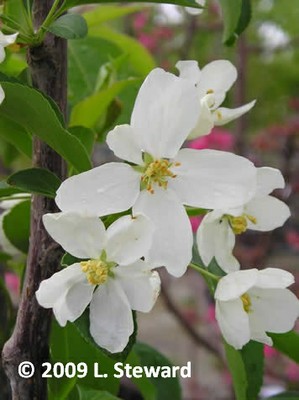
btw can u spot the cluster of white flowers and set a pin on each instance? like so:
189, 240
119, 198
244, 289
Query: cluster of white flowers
157, 181
5, 40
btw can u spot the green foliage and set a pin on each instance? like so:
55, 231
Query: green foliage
6, 190
164, 388
69, 26
30, 109
287, 343
284, 396
246, 367
16, 225
35, 180
15, 16
89, 394
67, 345
16, 135
85, 135
106, 13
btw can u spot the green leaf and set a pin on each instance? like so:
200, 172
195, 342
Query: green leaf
69, 26
7, 191
165, 388
245, 16
186, 3
68, 259
236, 17
30, 109
35, 180
90, 110
287, 343
90, 394
16, 135
15, 15
106, 13
139, 58
16, 225
85, 135
284, 396
67, 345
82, 324
246, 367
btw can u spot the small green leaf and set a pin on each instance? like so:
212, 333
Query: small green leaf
16, 225
237, 370
70, 26
35, 180
85, 135
106, 13
82, 324
7, 191
90, 394
68, 259
16, 135
287, 343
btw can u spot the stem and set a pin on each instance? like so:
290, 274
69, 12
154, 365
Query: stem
204, 271
29, 341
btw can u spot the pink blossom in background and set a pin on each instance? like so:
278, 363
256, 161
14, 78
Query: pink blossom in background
140, 20
195, 222
218, 139
147, 40
210, 314
292, 372
12, 283
292, 238
269, 352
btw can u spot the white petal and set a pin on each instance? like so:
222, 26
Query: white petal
224, 115
2, 94
189, 70
140, 285
224, 248
205, 122
122, 141
269, 179
233, 322
129, 238
257, 331
217, 76
2, 54
235, 284
111, 322
274, 278
206, 238
172, 242
270, 213
6, 40
276, 309
67, 292
80, 235
108, 189
213, 179
165, 112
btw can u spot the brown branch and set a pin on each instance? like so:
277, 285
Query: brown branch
197, 338
29, 341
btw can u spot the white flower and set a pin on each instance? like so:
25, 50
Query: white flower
216, 233
112, 279
212, 83
162, 178
196, 11
5, 40
251, 303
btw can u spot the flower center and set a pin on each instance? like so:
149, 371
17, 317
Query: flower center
239, 224
246, 302
96, 271
158, 172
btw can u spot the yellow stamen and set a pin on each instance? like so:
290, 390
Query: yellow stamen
246, 302
240, 224
96, 271
210, 91
158, 172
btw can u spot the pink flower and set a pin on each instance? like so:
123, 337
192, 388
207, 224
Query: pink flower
218, 139
12, 282
293, 372
139, 21
269, 352
147, 41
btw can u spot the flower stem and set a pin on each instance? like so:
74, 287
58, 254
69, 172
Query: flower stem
204, 271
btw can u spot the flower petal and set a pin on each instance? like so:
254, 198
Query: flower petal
276, 309
257, 331
140, 285
111, 322
274, 278
233, 322
67, 292
2, 94
129, 238
217, 76
270, 213
213, 179
80, 235
269, 179
172, 241
235, 284
224, 249
108, 189
165, 112
205, 122
224, 115
6, 40
122, 141
189, 69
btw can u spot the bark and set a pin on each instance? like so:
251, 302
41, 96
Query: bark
29, 341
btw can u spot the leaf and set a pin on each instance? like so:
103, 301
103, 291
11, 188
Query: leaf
90, 394
16, 135
165, 388
7, 191
35, 180
287, 343
139, 58
15, 15
89, 110
68, 259
237, 370
69, 26
30, 109
82, 324
284, 396
245, 16
16, 225
85, 135
186, 3
106, 13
